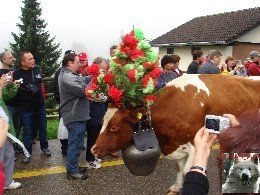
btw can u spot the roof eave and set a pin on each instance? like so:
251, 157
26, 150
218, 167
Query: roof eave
189, 44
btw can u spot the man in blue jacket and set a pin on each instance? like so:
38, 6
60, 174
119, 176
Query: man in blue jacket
211, 66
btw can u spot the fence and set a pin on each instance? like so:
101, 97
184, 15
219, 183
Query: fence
48, 111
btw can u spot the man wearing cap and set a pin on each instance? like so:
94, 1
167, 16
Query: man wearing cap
83, 59
254, 67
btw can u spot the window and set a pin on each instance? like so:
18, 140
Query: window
170, 50
195, 48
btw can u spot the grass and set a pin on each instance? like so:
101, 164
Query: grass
52, 128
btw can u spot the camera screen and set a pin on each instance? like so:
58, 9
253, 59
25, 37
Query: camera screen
212, 124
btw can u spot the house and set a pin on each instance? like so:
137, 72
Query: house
233, 33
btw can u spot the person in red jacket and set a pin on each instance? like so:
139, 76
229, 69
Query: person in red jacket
254, 66
83, 59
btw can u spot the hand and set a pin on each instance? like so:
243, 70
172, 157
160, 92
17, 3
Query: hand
5, 80
102, 98
4, 129
233, 121
17, 83
224, 66
202, 143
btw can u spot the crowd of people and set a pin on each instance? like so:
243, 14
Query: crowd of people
22, 99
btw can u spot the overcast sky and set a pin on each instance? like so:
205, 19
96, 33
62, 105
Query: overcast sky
93, 26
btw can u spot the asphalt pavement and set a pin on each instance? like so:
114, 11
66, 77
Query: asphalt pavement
45, 175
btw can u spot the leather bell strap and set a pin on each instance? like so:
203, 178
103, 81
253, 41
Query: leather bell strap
199, 168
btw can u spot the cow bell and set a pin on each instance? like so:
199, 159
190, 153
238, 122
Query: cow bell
141, 163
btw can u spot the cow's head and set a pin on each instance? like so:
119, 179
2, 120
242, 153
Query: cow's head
117, 130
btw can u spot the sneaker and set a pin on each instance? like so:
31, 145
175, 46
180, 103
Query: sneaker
78, 175
26, 160
98, 160
93, 164
13, 185
82, 169
46, 152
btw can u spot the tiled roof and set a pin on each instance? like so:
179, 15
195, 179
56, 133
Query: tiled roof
215, 29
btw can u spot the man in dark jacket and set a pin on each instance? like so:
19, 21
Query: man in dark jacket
31, 103
198, 59
211, 66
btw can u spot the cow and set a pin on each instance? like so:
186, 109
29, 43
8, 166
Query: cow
178, 113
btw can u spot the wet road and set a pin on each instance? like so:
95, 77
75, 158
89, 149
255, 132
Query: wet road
47, 176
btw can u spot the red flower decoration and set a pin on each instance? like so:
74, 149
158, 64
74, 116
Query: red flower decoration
132, 75
156, 73
146, 80
94, 79
130, 41
137, 54
124, 49
108, 78
150, 65
93, 69
92, 87
155, 82
115, 94
150, 99
118, 104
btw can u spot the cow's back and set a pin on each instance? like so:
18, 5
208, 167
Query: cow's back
180, 108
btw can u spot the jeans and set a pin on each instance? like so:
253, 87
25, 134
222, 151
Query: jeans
93, 132
28, 119
76, 132
15, 115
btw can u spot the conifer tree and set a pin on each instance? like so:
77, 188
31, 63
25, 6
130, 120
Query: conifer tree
34, 37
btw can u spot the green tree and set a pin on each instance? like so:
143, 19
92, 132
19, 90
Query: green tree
34, 37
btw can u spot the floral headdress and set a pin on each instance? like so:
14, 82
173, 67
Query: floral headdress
132, 74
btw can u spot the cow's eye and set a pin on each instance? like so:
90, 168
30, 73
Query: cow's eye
113, 128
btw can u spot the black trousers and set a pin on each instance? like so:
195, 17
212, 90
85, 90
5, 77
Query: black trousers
93, 132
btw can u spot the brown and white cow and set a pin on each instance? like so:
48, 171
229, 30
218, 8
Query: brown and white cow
178, 114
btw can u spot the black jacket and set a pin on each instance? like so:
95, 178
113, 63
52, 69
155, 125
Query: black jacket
29, 94
193, 68
195, 184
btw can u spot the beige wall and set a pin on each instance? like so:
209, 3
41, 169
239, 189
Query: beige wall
186, 57
241, 50
253, 36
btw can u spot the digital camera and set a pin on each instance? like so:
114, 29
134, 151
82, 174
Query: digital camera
215, 124
32, 88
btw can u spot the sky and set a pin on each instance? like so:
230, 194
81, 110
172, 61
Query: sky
92, 26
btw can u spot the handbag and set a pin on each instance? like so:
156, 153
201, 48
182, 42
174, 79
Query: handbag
62, 130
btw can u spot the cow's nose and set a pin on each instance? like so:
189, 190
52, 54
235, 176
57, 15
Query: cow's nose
245, 177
